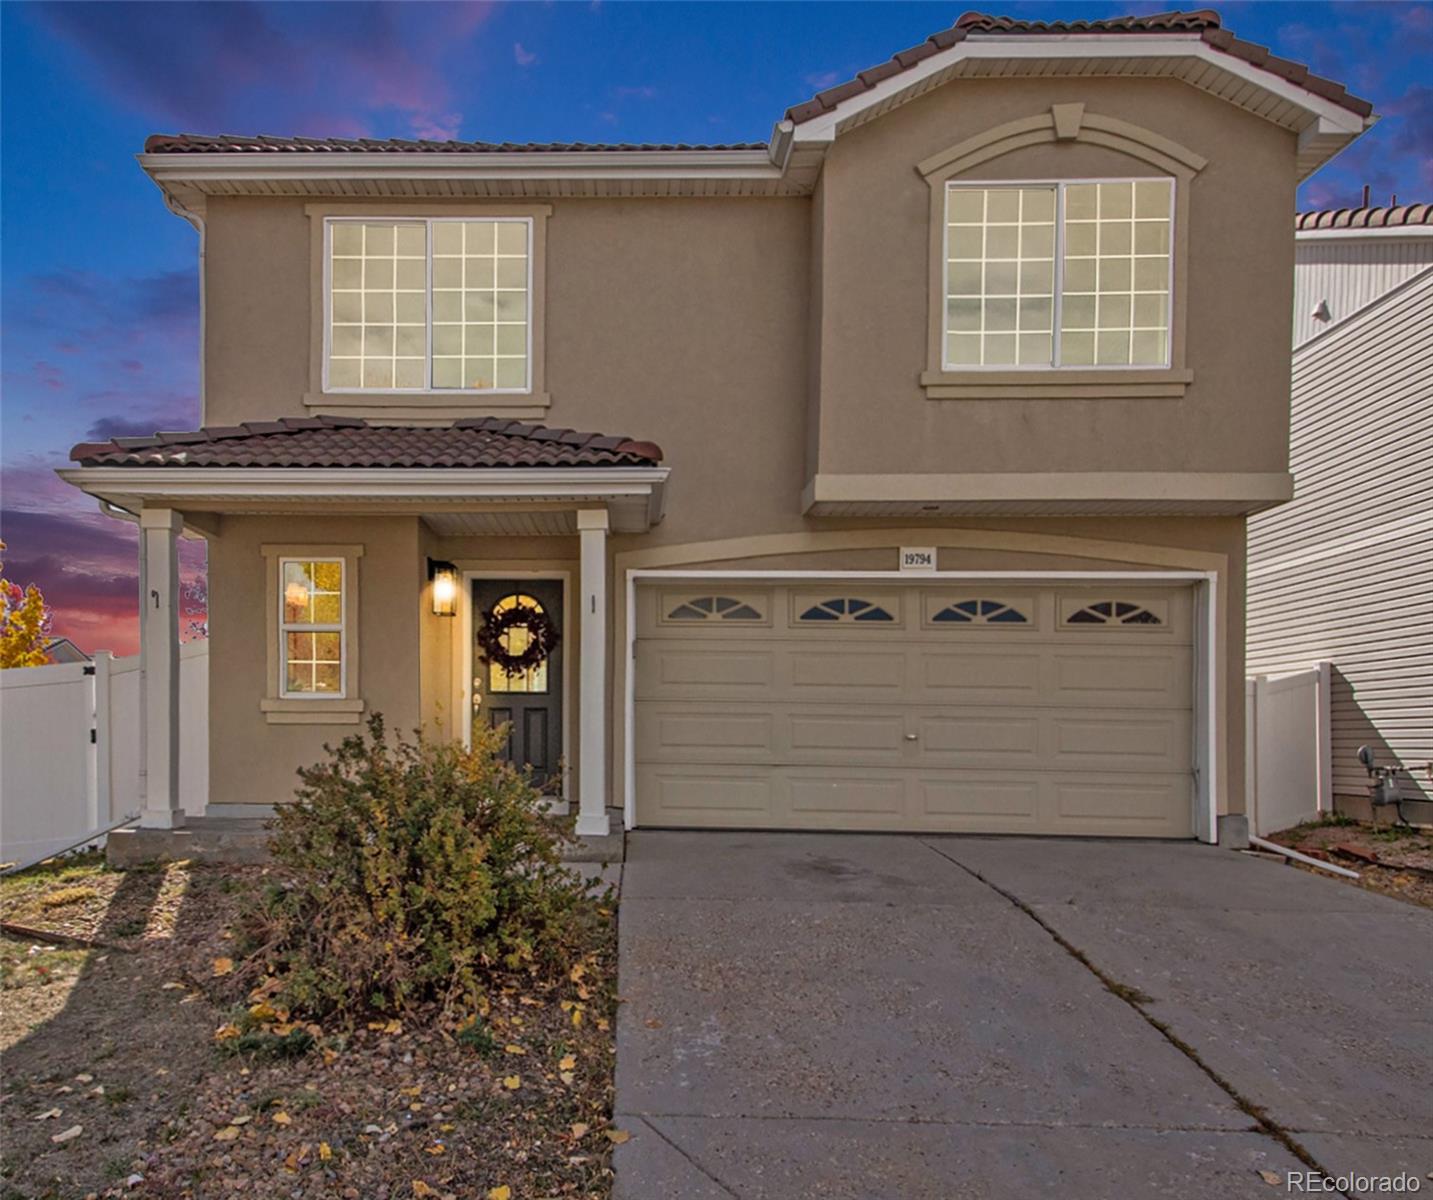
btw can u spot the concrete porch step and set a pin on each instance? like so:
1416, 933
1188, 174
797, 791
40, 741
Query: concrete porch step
244, 840
228, 840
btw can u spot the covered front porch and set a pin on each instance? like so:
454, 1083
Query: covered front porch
353, 569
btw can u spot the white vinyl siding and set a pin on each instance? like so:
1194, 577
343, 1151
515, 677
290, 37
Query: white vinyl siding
1350, 274
1344, 573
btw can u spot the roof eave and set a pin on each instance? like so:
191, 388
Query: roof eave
196, 170
635, 495
1325, 129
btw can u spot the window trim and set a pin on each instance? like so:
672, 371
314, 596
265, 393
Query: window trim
279, 705
428, 223
1154, 154
287, 627
427, 403
947, 186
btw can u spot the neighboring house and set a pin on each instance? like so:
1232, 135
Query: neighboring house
964, 386
1344, 574
62, 650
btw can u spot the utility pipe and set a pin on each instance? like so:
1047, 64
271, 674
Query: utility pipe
1275, 848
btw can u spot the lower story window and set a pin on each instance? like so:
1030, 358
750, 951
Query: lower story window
311, 616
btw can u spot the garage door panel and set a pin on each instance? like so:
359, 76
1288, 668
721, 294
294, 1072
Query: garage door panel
1004, 738
1112, 741
1117, 676
669, 670
987, 673
683, 796
974, 801
873, 802
821, 670
845, 732
695, 735
1158, 806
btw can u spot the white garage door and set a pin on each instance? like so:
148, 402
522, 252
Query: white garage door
942, 706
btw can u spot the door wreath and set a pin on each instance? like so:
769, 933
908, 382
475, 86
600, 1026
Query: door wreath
542, 638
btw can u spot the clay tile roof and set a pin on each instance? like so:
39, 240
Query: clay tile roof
350, 442
198, 143
1203, 22
1365, 218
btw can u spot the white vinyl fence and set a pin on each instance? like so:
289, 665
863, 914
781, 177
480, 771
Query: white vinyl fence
1288, 765
69, 748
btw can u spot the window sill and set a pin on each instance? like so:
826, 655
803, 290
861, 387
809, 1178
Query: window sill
1168, 383
335, 711
475, 401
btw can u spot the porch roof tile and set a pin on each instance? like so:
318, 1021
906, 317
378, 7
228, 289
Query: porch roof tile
337, 442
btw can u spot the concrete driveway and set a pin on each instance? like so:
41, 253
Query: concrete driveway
813, 1015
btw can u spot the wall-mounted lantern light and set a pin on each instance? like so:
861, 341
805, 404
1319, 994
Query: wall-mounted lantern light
445, 587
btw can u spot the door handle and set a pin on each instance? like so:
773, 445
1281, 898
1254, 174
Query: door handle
911, 737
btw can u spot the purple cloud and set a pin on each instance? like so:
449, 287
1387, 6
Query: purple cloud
306, 69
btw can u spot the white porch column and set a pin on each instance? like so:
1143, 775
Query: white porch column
592, 674
160, 806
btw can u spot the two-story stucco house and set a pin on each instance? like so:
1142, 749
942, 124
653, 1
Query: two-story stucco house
929, 431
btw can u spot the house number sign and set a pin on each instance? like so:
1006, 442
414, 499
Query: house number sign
917, 558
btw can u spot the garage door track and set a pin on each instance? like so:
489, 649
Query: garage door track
811, 1015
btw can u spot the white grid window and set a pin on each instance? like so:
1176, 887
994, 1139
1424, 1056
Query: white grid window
429, 305
1058, 274
311, 612
1000, 276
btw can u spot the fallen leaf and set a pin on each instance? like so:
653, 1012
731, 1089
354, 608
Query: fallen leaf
411, 1091
579, 1131
514, 1049
567, 1077
227, 1134
325, 1151
422, 1189
47, 1114
173, 986
652, 1023
436, 1148
1272, 1178
394, 1028
501, 1192
84, 1078
603, 1024
223, 966
577, 1016
577, 972
241, 1120
225, 1032
72, 1132
512, 1083
282, 1118
567, 1062
618, 1136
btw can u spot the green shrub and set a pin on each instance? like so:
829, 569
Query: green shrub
413, 872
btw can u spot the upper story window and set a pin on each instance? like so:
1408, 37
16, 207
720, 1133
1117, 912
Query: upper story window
1058, 274
436, 304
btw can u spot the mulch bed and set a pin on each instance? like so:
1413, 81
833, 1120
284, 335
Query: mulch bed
121, 1040
1393, 860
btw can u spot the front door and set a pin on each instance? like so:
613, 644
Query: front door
528, 700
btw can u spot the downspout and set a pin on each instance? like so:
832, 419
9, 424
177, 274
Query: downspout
197, 220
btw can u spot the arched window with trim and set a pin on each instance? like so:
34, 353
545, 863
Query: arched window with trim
846, 608
1113, 612
515, 641
713, 608
981, 612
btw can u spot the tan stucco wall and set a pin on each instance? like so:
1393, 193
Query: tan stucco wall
693, 323
875, 275
1213, 544
250, 760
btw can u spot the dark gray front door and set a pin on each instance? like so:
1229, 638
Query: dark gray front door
530, 702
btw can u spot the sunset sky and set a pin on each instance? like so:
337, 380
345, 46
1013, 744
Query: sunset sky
100, 301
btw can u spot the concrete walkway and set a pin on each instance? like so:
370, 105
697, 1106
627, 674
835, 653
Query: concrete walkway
926, 1018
